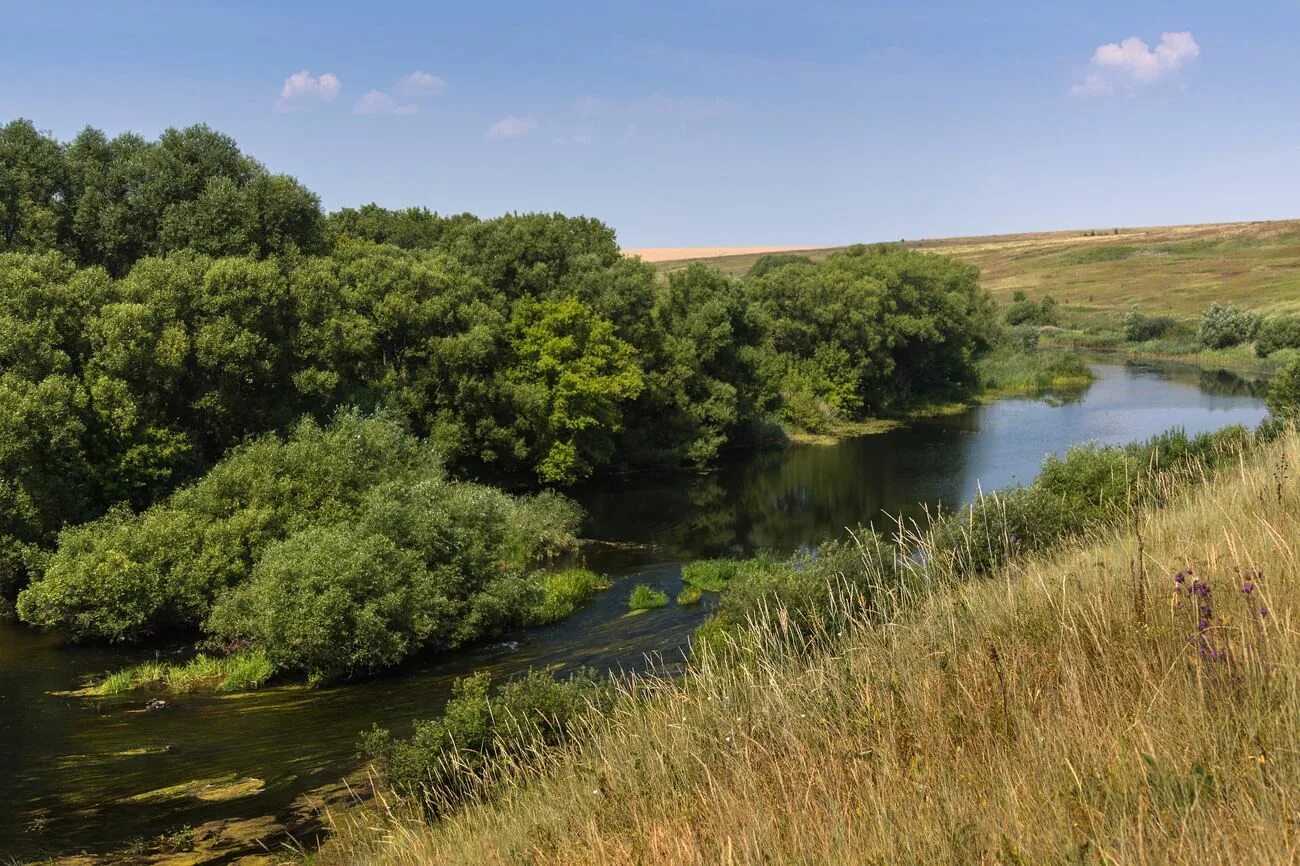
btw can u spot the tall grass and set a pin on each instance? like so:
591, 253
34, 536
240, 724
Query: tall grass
1003, 372
236, 672
1131, 698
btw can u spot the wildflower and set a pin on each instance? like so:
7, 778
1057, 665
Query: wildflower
1180, 577
1263, 612
1203, 625
1248, 587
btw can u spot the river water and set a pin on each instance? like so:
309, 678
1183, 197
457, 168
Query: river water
70, 767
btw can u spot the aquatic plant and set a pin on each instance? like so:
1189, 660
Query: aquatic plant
645, 597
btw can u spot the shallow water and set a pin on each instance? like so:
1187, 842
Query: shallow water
69, 766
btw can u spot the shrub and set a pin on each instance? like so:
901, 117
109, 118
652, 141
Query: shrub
1278, 332
332, 601
689, 595
1026, 312
769, 262
644, 597
1222, 327
1025, 338
445, 759
1284, 392
1139, 328
340, 550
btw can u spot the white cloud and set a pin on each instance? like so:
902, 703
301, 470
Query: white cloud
512, 126
1132, 63
378, 102
419, 83
303, 89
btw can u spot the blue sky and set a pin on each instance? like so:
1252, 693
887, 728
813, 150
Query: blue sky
702, 123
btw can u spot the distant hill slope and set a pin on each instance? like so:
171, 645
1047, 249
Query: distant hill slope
1178, 269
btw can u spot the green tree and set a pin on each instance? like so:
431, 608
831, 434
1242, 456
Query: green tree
573, 379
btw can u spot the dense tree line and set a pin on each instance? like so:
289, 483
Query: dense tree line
111, 202
163, 302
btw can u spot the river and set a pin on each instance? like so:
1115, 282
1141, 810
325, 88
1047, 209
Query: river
72, 770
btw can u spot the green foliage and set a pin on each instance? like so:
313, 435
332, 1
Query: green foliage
563, 592
1277, 332
340, 550
573, 382
1284, 392
112, 202
868, 329
1222, 327
1026, 312
645, 597
445, 760
1139, 328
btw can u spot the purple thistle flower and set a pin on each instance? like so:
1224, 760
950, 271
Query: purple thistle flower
1203, 625
1180, 577
1263, 612
1248, 587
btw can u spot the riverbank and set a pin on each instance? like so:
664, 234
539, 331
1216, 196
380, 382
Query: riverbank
1131, 700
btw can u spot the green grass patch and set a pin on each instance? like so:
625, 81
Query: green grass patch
1098, 254
1005, 372
689, 595
236, 672
711, 574
645, 597
565, 591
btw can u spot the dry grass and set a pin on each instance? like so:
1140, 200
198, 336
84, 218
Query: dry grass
1058, 714
1177, 269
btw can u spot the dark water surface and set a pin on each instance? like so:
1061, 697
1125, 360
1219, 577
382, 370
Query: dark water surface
69, 767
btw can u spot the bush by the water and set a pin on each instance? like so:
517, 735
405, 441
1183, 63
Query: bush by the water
1023, 311
1277, 332
1139, 328
1284, 392
480, 734
341, 549
1225, 326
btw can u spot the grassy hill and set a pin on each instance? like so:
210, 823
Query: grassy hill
1069, 710
1178, 270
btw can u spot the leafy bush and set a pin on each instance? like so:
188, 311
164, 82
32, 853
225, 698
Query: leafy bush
1277, 332
1222, 327
1025, 338
645, 597
445, 759
341, 549
1284, 392
1026, 312
1139, 328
